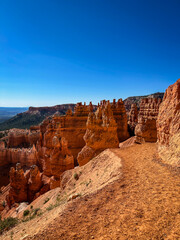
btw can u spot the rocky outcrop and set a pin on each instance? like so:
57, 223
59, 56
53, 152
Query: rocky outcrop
101, 133
26, 186
146, 127
72, 127
26, 156
133, 119
34, 182
61, 138
18, 186
19, 146
54, 157
137, 100
19, 138
120, 116
168, 125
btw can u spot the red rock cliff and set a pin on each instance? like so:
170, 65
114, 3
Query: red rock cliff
168, 125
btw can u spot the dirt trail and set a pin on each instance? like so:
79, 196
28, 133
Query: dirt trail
143, 204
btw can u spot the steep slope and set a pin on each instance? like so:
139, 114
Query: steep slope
8, 112
142, 204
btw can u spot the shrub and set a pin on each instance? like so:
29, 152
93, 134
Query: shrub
7, 223
46, 200
50, 207
26, 212
76, 176
36, 211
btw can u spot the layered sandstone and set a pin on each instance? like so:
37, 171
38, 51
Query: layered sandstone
34, 182
61, 138
26, 186
19, 146
120, 116
101, 133
168, 125
133, 119
18, 186
20, 138
53, 155
146, 127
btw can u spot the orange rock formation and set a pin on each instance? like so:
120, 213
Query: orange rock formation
168, 125
120, 116
18, 186
146, 127
133, 118
101, 133
53, 155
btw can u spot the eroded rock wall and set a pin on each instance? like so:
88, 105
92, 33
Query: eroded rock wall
101, 133
146, 127
120, 116
133, 119
168, 125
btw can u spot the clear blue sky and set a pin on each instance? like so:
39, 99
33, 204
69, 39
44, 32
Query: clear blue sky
63, 51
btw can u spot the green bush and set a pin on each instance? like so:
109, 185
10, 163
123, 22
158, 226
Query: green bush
26, 212
35, 211
51, 206
76, 176
46, 200
7, 223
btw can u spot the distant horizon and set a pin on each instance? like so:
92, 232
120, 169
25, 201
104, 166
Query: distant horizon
77, 102
54, 52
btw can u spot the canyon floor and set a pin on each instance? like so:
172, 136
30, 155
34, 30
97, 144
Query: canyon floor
143, 202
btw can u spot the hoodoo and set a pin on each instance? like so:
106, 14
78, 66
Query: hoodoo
101, 133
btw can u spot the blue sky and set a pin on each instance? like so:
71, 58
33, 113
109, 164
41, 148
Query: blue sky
65, 51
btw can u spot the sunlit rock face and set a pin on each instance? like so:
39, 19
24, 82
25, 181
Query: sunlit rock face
18, 186
18, 147
146, 127
120, 116
25, 186
168, 125
54, 157
133, 118
61, 140
101, 133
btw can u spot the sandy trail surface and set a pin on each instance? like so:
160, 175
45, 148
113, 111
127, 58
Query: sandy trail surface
144, 203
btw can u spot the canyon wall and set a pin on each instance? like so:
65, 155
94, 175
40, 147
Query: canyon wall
168, 125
